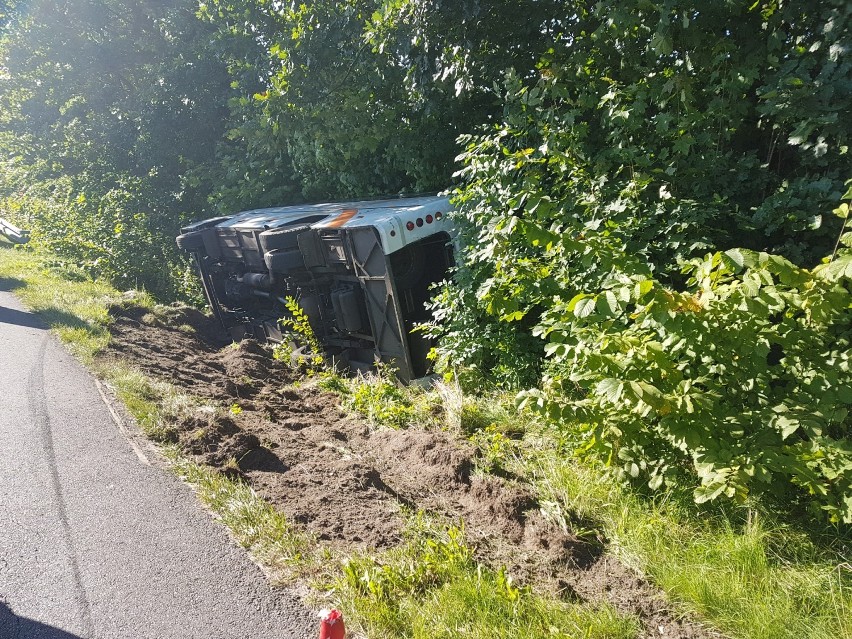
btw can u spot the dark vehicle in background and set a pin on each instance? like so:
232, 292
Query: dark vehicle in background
361, 272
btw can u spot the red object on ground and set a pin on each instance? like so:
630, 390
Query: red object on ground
331, 625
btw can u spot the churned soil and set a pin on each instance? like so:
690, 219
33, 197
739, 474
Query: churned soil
347, 482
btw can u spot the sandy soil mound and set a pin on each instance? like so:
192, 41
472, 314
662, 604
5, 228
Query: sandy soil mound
345, 482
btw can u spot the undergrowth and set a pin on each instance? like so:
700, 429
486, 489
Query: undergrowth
299, 347
431, 587
741, 569
382, 401
748, 574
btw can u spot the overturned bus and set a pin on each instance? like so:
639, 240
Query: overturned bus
361, 272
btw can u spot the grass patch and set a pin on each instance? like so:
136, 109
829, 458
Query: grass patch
285, 553
430, 587
480, 605
382, 401
753, 579
154, 404
75, 307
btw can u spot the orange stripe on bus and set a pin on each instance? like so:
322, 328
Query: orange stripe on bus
342, 219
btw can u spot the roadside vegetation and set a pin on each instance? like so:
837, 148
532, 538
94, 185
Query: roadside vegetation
748, 571
744, 570
427, 587
74, 305
651, 319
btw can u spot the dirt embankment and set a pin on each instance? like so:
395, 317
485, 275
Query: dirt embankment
344, 481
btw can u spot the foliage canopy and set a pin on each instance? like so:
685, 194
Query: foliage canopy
645, 192
656, 205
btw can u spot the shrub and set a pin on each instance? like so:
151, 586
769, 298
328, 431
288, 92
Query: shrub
604, 215
745, 377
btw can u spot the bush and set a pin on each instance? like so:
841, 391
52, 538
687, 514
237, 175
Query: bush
603, 216
744, 378
112, 231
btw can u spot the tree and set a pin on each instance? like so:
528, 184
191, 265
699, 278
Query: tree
367, 97
613, 214
110, 110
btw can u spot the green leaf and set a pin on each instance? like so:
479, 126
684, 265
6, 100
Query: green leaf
610, 389
537, 235
734, 259
751, 285
703, 494
555, 350
839, 268
584, 307
786, 425
574, 300
607, 303
514, 316
644, 287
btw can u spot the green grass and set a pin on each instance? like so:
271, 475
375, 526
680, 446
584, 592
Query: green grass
154, 404
430, 587
754, 579
476, 605
75, 307
378, 398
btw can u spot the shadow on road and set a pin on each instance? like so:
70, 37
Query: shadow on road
11, 316
14, 627
50, 317
10, 283
46, 317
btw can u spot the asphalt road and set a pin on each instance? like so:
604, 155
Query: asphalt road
97, 539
